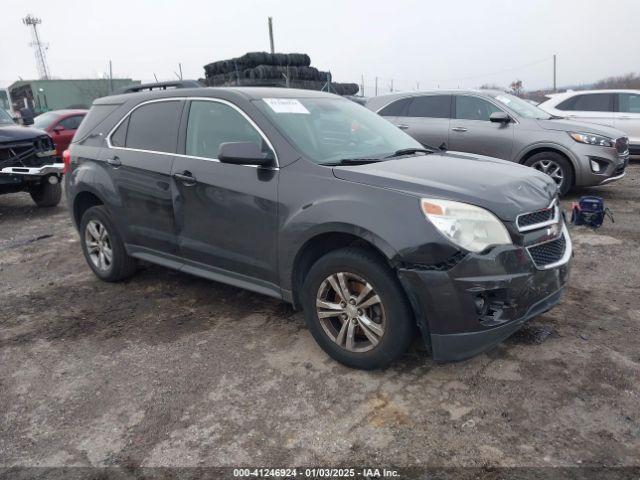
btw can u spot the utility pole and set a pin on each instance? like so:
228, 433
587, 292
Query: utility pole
271, 34
180, 70
39, 48
110, 77
376, 86
391, 86
554, 72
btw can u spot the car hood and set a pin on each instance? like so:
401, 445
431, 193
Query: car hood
17, 134
572, 126
505, 188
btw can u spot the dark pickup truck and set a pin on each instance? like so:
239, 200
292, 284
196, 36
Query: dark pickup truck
28, 163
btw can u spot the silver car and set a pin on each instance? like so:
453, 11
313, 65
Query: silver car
497, 124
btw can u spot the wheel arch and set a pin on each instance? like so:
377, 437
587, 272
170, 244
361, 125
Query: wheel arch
540, 148
322, 242
83, 201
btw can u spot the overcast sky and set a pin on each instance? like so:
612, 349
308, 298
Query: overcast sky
459, 43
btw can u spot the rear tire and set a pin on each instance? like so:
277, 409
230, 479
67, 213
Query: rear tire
46, 194
362, 332
103, 247
554, 165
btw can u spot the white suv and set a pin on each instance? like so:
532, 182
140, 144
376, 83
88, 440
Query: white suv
616, 108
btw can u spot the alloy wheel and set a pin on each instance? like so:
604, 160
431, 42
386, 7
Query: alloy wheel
350, 312
551, 168
98, 245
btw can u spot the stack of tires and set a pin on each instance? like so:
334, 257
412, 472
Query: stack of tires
273, 70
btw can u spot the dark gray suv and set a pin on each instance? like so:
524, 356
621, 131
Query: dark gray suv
315, 200
500, 125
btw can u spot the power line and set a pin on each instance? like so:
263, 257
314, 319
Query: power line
506, 70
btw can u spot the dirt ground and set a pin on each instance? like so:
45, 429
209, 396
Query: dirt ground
171, 370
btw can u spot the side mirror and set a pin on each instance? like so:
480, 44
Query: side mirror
58, 128
244, 153
500, 117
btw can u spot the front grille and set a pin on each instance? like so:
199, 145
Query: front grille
23, 154
530, 221
622, 145
620, 169
548, 253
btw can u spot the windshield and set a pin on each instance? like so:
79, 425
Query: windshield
522, 108
327, 130
44, 120
5, 117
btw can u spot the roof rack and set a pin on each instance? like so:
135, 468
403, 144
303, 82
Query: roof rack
162, 86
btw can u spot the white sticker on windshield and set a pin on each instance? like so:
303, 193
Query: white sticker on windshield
285, 105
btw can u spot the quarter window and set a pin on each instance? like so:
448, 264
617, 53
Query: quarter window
395, 109
474, 108
213, 123
154, 127
629, 103
119, 137
593, 102
432, 106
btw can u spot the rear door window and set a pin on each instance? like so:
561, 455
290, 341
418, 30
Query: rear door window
629, 102
431, 106
592, 102
395, 109
474, 108
153, 127
213, 123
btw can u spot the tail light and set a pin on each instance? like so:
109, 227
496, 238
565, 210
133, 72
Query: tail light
66, 159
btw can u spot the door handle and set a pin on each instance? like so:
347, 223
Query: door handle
459, 129
114, 162
186, 178
402, 126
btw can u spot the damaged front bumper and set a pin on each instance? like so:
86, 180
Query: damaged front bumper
484, 298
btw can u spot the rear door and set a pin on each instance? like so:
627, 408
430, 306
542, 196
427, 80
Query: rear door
590, 107
226, 215
139, 160
471, 130
426, 118
628, 118
64, 131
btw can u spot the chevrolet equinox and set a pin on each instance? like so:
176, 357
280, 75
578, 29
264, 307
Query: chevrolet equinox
313, 199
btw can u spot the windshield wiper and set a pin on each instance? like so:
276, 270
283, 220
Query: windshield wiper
410, 151
355, 161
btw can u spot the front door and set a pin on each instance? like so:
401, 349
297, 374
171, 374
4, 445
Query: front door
64, 131
471, 130
139, 162
590, 107
226, 214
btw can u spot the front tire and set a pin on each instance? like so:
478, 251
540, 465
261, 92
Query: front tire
556, 166
103, 247
356, 309
46, 194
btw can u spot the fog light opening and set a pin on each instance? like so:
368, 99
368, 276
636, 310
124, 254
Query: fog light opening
482, 305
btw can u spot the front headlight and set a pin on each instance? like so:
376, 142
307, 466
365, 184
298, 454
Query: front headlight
591, 139
472, 228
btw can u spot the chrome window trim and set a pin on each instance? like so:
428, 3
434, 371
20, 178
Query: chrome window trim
535, 226
567, 251
179, 99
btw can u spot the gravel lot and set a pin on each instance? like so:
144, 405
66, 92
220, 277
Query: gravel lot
167, 369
